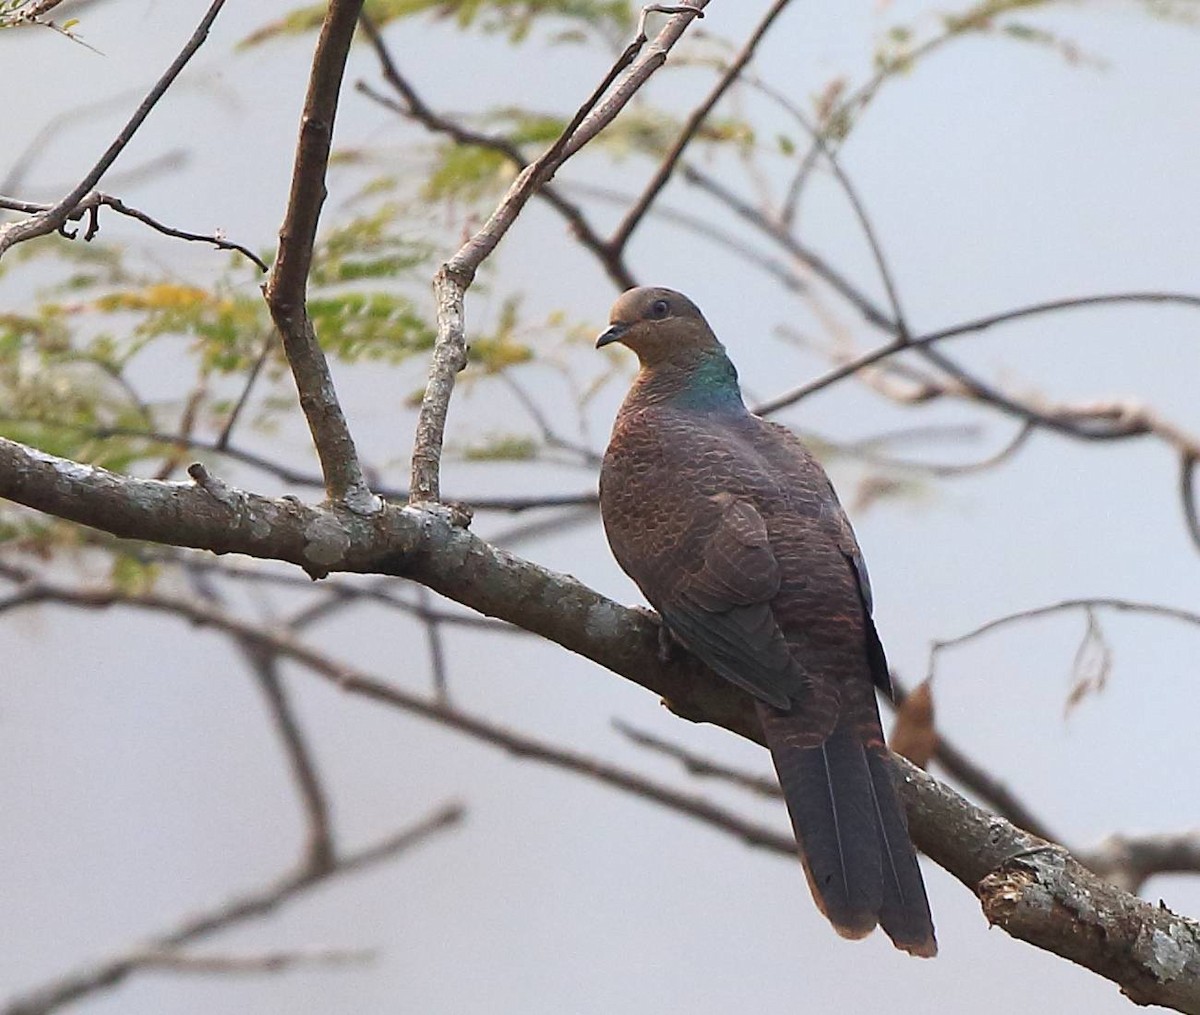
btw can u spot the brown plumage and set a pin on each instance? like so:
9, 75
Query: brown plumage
733, 533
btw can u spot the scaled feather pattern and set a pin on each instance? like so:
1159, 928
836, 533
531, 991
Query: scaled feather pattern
735, 536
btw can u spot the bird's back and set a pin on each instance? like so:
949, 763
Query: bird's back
735, 535
665, 477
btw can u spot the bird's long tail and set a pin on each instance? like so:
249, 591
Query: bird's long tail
850, 828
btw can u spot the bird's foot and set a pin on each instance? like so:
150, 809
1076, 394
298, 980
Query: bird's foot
668, 644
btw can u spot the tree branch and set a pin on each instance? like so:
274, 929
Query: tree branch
456, 275
482, 502
1129, 860
620, 238
319, 848
1035, 890
53, 218
93, 202
1041, 895
415, 108
107, 973
286, 288
253, 963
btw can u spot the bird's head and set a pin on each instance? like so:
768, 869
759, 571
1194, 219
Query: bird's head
660, 325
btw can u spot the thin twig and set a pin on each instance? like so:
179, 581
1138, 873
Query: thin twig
1131, 860
620, 237
415, 108
551, 437
107, 973
437, 651
944, 470
482, 502
357, 682
971, 327
53, 218
698, 765
1187, 494
174, 961
786, 241
857, 205
319, 849
1081, 603
971, 775
222, 441
93, 202
774, 267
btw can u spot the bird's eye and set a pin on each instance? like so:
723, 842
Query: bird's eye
660, 309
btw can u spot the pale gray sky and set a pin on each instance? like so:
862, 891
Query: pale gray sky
138, 777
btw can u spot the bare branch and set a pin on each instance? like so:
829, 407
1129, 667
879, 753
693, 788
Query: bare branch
350, 680
955, 331
415, 108
956, 764
319, 849
978, 780
235, 414
620, 238
774, 267
1031, 888
55, 217
482, 502
786, 241
437, 651
285, 290
1039, 894
455, 276
1187, 494
107, 973
1129, 861
93, 202
698, 765
1082, 603
787, 214
266, 962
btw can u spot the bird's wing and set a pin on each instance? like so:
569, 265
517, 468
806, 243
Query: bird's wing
834, 522
722, 609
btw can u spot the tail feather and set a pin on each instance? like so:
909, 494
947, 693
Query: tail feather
827, 786
850, 831
904, 915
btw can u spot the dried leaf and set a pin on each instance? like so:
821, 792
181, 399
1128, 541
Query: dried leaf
1092, 665
914, 735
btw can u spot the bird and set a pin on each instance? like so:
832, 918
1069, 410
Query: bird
735, 536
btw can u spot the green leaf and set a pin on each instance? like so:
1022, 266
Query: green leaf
373, 326
468, 172
515, 18
502, 448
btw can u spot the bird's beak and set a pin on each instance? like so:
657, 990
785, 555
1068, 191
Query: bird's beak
614, 333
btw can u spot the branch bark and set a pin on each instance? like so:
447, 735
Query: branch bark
286, 288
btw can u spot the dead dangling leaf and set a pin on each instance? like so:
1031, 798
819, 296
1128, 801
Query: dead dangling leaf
1092, 664
914, 735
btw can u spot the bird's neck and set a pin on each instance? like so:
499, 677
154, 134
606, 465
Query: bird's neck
705, 381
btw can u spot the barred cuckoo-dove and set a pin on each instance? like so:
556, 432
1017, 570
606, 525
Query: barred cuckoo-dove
732, 531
